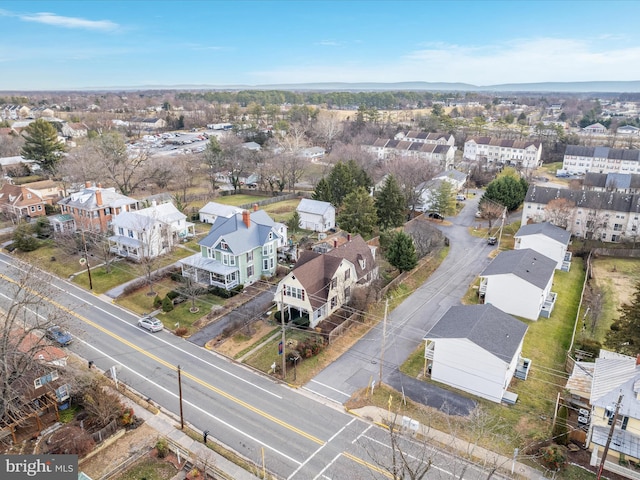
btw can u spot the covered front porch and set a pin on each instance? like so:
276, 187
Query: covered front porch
208, 271
126, 247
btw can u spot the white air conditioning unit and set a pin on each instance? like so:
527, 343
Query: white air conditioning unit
322, 236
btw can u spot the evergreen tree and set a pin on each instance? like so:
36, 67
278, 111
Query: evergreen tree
322, 192
507, 190
442, 199
343, 179
624, 335
23, 238
402, 252
358, 213
294, 222
42, 145
390, 204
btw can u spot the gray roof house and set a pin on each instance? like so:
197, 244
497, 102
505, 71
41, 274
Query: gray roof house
478, 349
519, 283
547, 239
615, 377
213, 210
149, 232
316, 215
238, 250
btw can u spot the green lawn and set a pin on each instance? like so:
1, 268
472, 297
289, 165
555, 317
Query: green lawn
239, 199
149, 469
282, 211
52, 259
123, 271
266, 356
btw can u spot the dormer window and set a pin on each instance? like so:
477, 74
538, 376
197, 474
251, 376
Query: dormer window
224, 245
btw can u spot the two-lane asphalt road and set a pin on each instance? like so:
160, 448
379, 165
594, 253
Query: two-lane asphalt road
300, 436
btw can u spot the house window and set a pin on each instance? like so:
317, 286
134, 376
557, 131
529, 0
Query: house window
224, 246
228, 259
250, 256
294, 292
107, 211
37, 383
120, 231
250, 271
131, 234
347, 274
334, 282
265, 264
271, 264
28, 195
334, 302
617, 227
33, 208
39, 208
267, 249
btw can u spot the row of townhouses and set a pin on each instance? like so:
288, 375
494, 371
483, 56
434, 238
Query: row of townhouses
518, 153
579, 160
602, 215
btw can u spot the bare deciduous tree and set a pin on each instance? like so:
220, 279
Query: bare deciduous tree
22, 326
559, 211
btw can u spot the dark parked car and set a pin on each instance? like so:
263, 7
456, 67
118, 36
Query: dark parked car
435, 215
59, 336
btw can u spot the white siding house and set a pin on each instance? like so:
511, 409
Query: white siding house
315, 215
545, 238
476, 348
213, 210
519, 282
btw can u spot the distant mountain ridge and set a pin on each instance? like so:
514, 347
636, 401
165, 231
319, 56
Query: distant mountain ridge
559, 87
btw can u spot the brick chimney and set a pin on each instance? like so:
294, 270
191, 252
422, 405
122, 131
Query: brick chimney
637, 359
255, 207
246, 218
348, 237
98, 197
335, 243
87, 184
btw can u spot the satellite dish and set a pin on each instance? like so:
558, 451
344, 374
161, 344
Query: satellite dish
82, 261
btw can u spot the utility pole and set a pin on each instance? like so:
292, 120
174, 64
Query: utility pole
384, 337
86, 257
284, 360
606, 447
180, 396
504, 216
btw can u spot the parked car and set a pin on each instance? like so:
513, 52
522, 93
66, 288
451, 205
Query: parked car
150, 323
478, 214
435, 215
460, 198
58, 335
492, 240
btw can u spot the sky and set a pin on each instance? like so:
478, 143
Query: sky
66, 45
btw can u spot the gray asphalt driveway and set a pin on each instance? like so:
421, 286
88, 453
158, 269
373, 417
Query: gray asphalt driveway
409, 322
254, 308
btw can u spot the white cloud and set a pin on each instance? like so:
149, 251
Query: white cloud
327, 43
70, 22
517, 61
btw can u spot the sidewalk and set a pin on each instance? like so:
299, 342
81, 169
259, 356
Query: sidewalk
481, 455
168, 427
